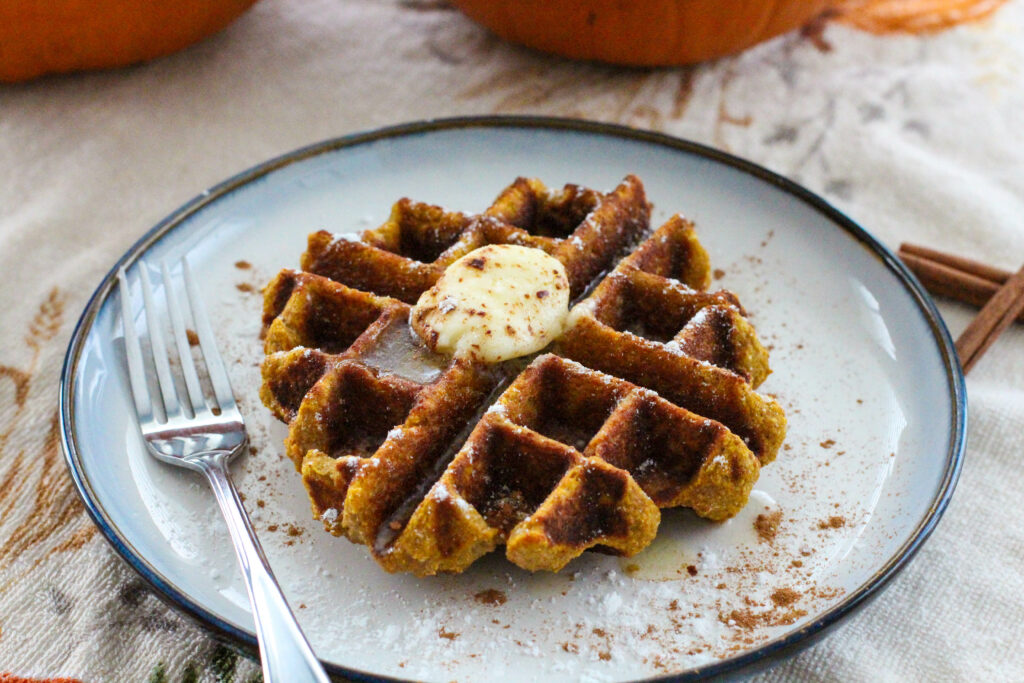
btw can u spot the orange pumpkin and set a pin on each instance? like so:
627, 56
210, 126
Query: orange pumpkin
641, 32
52, 36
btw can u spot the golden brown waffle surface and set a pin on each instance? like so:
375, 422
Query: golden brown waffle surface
646, 401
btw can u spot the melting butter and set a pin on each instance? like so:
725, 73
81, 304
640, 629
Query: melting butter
396, 351
495, 303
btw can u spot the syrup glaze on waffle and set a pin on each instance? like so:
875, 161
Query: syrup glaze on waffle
647, 400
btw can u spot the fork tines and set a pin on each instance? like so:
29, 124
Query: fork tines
181, 396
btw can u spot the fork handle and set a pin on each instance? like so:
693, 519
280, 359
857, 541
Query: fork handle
284, 651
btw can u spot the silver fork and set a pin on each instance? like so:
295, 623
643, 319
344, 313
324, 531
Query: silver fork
201, 434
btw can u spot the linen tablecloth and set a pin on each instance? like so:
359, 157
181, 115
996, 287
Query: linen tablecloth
919, 137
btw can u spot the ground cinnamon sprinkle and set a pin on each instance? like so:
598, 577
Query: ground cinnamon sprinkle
746, 619
243, 265
828, 443
450, 635
767, 525
788, 617
826, 593
193, 338
245, 287
603, 653
833, 522
784, 597
491, 597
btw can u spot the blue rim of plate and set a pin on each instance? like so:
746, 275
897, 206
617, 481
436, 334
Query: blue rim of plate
756, 658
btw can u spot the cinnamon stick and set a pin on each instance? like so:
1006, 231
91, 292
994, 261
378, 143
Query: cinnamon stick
996, 316
965, 265
952, 276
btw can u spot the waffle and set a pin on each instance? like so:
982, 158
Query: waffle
647, 400
405, 256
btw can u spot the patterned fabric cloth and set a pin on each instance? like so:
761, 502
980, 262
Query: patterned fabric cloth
918, 137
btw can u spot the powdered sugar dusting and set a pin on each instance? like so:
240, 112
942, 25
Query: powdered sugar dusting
700, 317
344, 237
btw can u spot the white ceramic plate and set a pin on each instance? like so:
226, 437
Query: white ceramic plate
862, 364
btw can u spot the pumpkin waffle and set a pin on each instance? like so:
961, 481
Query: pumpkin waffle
646, 401
404, 257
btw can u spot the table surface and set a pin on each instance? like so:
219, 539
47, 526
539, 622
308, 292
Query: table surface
918, 137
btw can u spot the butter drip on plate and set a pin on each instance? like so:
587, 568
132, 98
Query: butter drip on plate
495, 303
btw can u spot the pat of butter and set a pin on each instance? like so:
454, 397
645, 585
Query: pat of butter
495, 303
